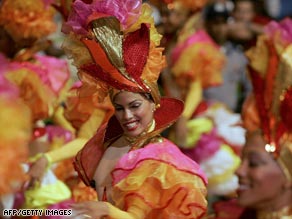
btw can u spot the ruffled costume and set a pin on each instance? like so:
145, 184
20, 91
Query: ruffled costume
15, 133
133, 177
214, 140
197, 63
154, 179
267, 109
41, 82
62, 118
151, 174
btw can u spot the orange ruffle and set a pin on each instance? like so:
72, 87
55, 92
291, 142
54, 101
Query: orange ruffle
200, 61
81, 192
154, 65
34, 92
83, 101
29, 19
15, 133
169, 192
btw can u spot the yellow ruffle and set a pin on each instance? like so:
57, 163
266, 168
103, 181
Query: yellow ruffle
45, 195
147, 18
196, 127
169, 192
34, 92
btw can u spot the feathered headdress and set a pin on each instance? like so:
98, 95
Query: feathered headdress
269, 108
119, 46
114, 45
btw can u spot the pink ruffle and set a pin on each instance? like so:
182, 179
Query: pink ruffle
4, 64
164, 151
126, 11
7, 89
52, 71
206, 147
284, 28
57, 71
199, 37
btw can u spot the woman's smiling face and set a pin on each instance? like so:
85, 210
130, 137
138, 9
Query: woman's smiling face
134, 112
260, 176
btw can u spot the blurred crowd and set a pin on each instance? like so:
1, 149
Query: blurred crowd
43, 107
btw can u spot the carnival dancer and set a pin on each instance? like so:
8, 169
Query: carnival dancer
136, 172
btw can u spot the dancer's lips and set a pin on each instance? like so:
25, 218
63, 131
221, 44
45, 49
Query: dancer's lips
242, 188
131, 126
